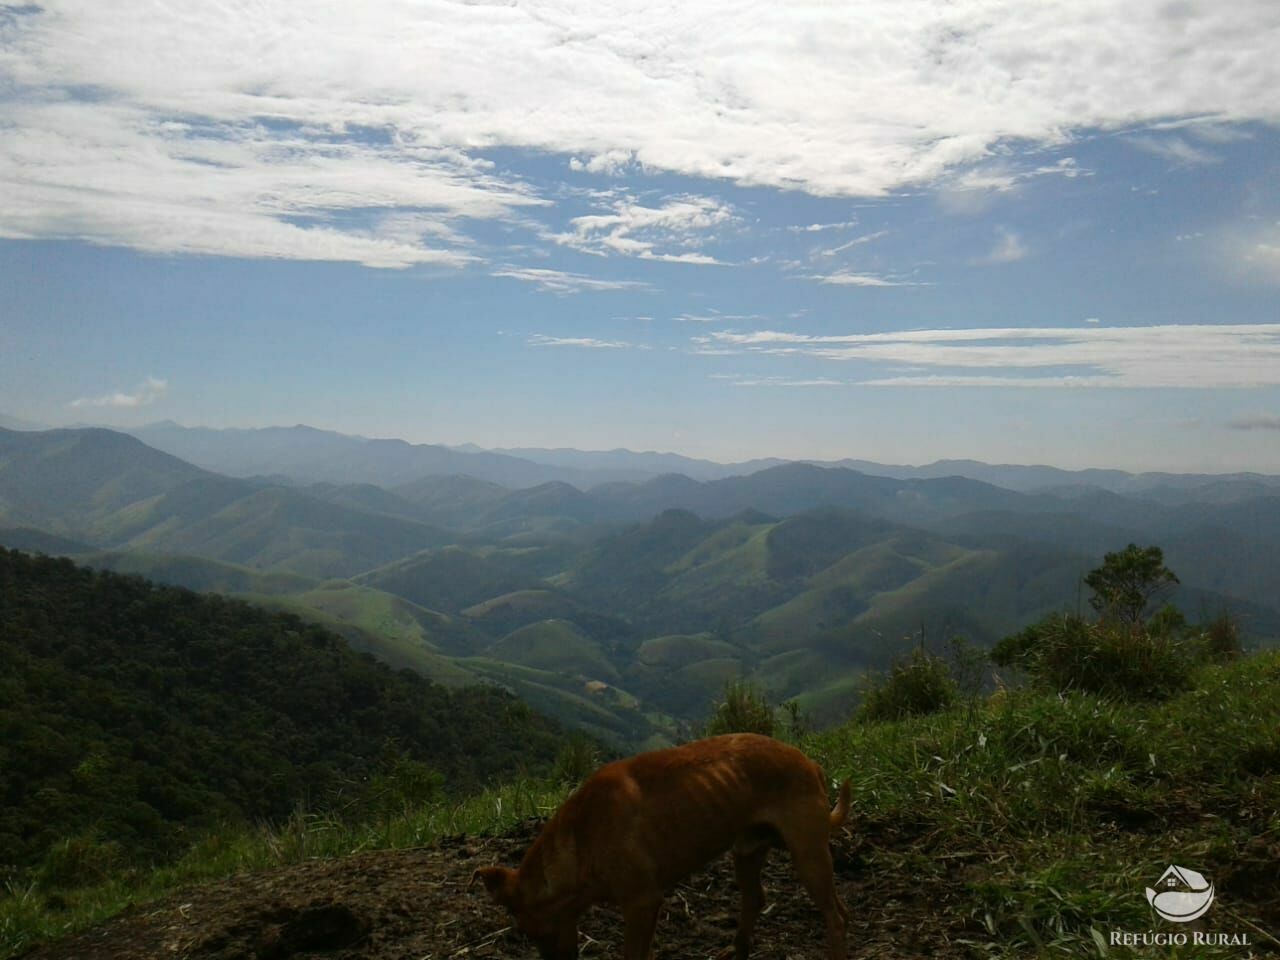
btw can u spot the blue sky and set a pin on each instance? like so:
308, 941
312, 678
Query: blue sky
901, 231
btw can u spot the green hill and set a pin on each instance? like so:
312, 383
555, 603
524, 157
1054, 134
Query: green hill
38, 541
397, 626
674, 652
511, 611
113, 492
62, 480
611, 713
555, 645
133, 714
195, 573
266, 527
454, 578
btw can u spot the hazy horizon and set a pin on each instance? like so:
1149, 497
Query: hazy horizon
515, 450
1031, 234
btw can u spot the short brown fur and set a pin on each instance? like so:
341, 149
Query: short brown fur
638, 826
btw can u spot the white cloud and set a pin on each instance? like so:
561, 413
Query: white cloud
610, 163
1176, 150
1174, 356
117, 175
817, 227
849, 278
560, 281
634, 230
590, 343
252, 129
783, 382
855, 242
1008, 248
148, 392
974, 190
715, 316
1251, 250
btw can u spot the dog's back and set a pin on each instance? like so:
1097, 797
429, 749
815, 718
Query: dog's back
650, 820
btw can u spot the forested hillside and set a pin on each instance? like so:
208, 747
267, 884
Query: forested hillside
135, 715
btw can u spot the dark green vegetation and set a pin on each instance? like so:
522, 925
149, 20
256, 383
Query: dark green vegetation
1129, 582
918, 684
134, 716
743, 709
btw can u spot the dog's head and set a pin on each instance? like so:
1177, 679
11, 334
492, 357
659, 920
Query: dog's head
554, 933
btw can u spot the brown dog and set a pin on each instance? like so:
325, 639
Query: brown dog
638, 826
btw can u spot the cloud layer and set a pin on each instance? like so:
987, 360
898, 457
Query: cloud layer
148, 392
1184, 356
302, 130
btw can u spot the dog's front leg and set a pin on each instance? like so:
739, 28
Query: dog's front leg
640, 917
748, 861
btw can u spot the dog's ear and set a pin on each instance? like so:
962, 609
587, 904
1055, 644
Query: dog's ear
499, 881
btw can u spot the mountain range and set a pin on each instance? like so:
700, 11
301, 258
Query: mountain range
624, 607
308, 455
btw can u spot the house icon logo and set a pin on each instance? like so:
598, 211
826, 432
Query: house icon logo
1181, 895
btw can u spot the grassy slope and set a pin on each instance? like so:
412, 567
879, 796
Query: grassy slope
267, 527
390, 628
1038, 819
555, 645
609, 713
454, 578
196, 573
1024, 825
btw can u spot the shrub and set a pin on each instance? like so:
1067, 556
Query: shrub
1221, 638
405, 785
915, 685
796, 723
79, 861
576, 761
1064, 652
744, 709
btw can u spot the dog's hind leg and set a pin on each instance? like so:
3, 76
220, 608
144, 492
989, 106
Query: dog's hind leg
811, 855
640, 917
749, 856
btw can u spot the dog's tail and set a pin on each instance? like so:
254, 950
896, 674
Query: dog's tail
841, 810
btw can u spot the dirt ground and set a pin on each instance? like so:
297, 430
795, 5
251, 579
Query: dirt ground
413, 905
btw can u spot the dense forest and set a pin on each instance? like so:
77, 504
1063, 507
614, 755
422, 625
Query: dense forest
141, 714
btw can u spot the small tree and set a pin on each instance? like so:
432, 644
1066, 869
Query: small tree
1129, 582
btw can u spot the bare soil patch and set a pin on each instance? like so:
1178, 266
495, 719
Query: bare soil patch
413, 905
